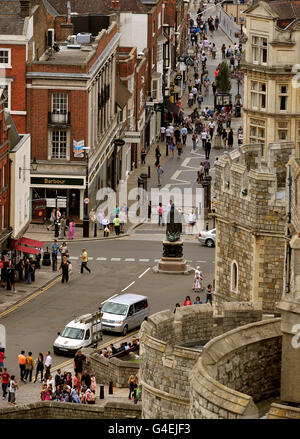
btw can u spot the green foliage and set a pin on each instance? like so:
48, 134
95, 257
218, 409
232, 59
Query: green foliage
223, 80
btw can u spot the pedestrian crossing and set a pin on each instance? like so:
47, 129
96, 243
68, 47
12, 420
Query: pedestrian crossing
137, 260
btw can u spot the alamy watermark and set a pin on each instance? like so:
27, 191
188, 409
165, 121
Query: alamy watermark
296, 338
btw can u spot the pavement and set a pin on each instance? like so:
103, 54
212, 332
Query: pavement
118, 264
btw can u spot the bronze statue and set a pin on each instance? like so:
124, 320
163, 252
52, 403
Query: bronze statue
174, 226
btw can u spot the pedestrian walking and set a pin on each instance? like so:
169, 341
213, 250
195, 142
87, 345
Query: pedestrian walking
39, 367
203, 138
63, 225
143, 156
13, 386
160, 172
228, 119
206, 165
117, 225
71, 229
22, 362
184, 132
200, 173
65, 268
230, 138
214, 87
29, 365
63, 250
157, 155
5, 382
131, 384
162, 133
211, 127
172, 147
207, 148
160, 214
192, 221
198, 278
84, 261
48, 364
223, 50
168, 135
52, 220
209, 293
179, 149
213, 51
224, 137
199, 100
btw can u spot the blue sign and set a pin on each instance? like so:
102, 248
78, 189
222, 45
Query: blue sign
193, 30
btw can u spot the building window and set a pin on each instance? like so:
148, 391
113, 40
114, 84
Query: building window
282, 130
5, 58
6, 93
283, 97
159, 21
259, 50
257, 134
4, 176
234, 277
3, 217
154, 90
59, 144
258, 95
59, 103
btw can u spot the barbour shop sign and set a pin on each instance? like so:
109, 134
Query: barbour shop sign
57, 181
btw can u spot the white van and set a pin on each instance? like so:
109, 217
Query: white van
124, 312
77, 334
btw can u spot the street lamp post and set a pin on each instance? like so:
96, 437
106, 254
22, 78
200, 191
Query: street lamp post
86, 219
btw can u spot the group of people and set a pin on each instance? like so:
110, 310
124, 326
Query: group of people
56, 217
124, 346
65, 265
23, 270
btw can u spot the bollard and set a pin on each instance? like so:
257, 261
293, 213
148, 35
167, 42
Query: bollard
110, 388
206, 226
101, 391
149, 171
95, 229
56, 229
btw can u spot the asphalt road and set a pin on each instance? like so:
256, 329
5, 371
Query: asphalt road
34, 325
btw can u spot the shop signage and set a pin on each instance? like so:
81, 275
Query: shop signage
189, 61
119, 142
78, 150
86, 201
57, 181
181, 58
132, 136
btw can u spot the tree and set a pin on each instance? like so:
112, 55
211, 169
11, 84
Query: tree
223, 80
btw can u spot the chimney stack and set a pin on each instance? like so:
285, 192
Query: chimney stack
25, 8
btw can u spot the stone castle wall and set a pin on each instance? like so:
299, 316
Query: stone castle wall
165, 366
110, 369
235, 370
251, 226
66, 410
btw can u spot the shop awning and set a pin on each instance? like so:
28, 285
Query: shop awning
30, 250
27, 245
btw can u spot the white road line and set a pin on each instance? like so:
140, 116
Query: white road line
74, 258
101, 259
144, 272
90, 259
201, 261
128, 286
156, 260
144, 260
115, 259
129, 260
109, 298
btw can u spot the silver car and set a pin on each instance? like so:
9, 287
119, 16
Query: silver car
208, 237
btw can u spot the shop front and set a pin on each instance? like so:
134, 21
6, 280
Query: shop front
47, 193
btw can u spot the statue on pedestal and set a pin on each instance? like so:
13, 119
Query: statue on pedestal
173, 225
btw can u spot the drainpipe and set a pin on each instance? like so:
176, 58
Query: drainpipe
287, 284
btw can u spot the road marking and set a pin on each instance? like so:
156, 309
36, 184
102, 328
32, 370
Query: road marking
156, 260
128, 286
109, 298
144, 272
144, 260
90, 259
115, 259
29, 298
129, 260
201, 261
74, 258
101, 259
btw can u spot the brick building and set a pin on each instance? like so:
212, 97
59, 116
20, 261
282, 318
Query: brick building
23, 38
251, 224
5, 232
71, 95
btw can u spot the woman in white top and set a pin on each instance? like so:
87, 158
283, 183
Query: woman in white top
192, 220
198, 278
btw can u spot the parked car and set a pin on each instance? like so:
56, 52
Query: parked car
208, 237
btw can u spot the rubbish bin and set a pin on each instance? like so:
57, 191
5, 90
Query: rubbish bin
144, 177
140, 183
46, 258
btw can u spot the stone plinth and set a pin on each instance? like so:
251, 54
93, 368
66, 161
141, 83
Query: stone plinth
172, 261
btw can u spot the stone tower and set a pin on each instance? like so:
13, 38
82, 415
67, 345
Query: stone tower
250, 222
290, 303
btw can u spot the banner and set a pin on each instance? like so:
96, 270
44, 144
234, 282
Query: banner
78, 148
